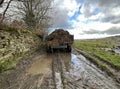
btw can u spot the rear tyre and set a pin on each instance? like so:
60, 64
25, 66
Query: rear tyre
68, 48
48, 49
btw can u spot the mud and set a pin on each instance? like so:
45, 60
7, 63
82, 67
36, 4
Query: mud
41, 66
56, 71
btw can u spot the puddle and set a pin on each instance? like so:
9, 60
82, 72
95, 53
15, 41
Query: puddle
59, 81
117, 51
41, 65
89, 74
77, 72
67, 57
67, 60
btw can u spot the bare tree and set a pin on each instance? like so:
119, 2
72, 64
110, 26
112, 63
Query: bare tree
4, 12
36, 13
1, 2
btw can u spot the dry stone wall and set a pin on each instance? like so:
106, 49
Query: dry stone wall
15, 44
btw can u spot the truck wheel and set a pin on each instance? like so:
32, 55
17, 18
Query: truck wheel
48, 49
51, 50
69, 49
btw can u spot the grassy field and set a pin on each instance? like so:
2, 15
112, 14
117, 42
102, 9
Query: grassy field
99, 48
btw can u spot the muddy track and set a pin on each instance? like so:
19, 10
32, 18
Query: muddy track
78, 73
18, 77
56, 71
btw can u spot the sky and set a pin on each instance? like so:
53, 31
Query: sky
88, 19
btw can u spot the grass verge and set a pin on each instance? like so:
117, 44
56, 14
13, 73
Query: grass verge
98, 49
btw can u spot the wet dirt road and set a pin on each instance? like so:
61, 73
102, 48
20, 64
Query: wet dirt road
61, 71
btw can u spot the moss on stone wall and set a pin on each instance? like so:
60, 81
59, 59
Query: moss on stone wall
15, 43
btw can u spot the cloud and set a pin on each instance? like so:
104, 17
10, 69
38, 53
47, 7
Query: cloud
99, 26
102, 15
112, 31
60, 16
92, 31
60, 19
110, 9
106, 3
82, 35
94, 34
64, 10
86, 10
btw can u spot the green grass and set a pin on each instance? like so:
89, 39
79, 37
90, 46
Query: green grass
96, 47
108, 56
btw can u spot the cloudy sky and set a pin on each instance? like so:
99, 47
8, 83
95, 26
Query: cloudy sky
88, 18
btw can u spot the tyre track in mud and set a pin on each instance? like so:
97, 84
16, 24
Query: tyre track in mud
53, 72
67, 71
57, 67
84, 79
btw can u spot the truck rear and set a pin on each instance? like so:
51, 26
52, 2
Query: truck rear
59, 39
